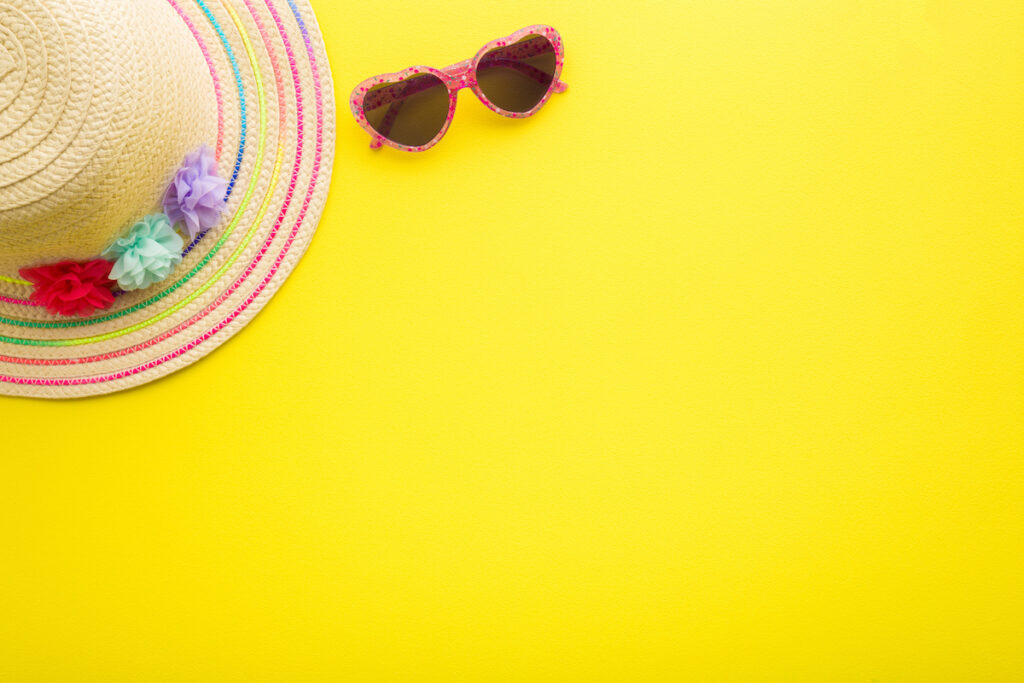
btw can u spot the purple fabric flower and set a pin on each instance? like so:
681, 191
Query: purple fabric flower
196, 195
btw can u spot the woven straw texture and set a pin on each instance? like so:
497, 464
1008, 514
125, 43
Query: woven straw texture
99, 102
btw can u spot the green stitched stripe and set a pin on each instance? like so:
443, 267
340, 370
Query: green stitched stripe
14, 280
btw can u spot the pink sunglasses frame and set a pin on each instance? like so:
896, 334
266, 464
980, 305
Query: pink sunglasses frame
456, 77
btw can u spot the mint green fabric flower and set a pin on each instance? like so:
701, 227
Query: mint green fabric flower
146, 255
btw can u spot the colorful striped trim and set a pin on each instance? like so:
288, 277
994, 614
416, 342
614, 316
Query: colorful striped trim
240, 155
219, 148
282, 254
250, 191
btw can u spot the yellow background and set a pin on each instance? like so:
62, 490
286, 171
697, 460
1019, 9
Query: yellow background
711, 371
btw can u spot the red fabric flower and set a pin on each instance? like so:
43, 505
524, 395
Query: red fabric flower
69, 288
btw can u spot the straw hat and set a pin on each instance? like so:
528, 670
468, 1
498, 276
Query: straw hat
163, 165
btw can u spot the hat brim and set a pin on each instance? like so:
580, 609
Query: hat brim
276, 126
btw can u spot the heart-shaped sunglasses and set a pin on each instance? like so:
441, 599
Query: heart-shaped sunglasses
412, 109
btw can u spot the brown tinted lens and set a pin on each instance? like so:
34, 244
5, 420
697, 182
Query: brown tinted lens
516, 77
411, 112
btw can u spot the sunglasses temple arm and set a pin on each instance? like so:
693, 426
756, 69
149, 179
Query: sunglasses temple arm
387, 123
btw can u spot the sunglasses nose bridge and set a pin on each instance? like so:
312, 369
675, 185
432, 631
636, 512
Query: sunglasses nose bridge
461, 75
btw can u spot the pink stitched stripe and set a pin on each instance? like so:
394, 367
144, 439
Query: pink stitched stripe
20, 302
277, 262
213, 73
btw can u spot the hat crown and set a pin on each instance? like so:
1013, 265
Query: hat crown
100, 100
